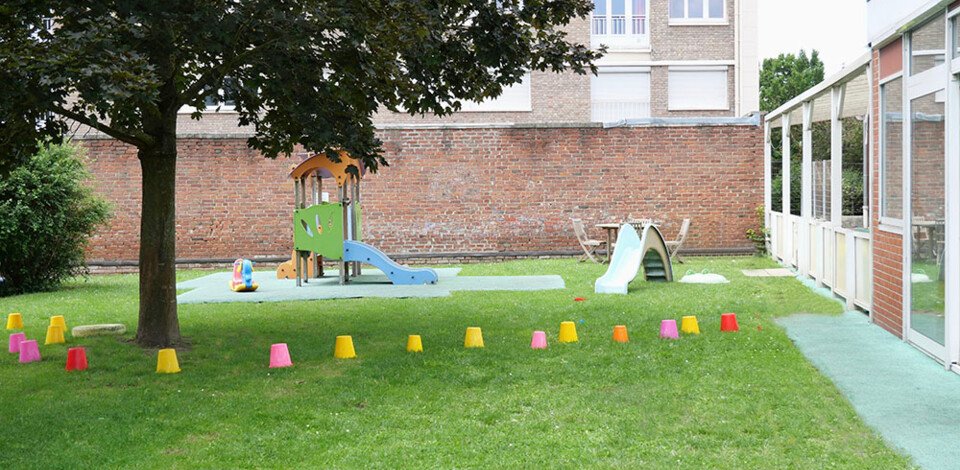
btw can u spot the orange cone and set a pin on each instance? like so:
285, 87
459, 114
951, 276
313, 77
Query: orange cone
620, 334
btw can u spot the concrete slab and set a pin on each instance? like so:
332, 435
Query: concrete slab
908, 398
214, 288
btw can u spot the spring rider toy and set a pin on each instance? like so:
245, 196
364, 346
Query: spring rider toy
243, 276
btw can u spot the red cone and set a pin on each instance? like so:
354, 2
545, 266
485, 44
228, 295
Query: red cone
76, 359
728, 322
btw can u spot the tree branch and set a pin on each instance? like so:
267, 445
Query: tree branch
135, 140
219, 72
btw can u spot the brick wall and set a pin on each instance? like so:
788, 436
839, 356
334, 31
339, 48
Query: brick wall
458, 190
887, 308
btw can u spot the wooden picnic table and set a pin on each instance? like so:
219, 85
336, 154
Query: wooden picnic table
611, 229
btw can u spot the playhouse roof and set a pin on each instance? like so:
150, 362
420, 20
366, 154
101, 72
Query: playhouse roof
327, 168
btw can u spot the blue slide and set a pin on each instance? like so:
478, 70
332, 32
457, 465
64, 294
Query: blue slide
398, 274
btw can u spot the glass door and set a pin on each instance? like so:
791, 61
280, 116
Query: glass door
927, 211
925, 149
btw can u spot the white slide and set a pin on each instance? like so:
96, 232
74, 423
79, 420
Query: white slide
631, 252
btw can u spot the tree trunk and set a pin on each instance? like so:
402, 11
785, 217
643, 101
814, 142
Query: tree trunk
158, 326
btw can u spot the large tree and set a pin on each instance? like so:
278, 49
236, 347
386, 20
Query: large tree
303, 72
786, 76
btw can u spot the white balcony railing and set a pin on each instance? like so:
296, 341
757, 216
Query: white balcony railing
615, 110
599, 25
620, 31
618, 24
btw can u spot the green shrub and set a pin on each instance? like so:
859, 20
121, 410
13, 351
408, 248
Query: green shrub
759, 234
47, 214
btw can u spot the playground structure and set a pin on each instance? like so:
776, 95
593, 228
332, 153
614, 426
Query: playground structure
331, 230
632, 252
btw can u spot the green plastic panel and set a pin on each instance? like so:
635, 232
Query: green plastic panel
319, 228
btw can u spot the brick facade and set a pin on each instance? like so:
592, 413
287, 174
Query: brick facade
503, 190
887, 310
690, 42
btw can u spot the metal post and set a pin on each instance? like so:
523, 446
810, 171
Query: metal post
344, 266
356, 220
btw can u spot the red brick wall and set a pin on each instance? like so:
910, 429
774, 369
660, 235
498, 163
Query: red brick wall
887, 247
459, 190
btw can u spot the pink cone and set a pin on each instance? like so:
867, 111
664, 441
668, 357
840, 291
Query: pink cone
15, 340
668, 329
29, 351
279, 356
539, 340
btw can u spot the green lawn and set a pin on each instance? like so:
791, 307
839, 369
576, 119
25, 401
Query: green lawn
741, 400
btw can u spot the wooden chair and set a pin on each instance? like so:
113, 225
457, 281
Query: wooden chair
589, 245
674, 246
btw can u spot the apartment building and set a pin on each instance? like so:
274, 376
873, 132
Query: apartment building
665, 58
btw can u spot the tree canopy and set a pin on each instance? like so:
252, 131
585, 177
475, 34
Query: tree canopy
784, 77
301, 72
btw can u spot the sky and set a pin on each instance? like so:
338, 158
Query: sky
839, 36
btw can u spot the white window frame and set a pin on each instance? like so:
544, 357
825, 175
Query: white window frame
888, 224
220, 107
682, 69
916, 86
685, 20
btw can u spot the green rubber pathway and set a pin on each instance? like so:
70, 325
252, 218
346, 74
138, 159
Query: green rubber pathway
372, 283
904, 395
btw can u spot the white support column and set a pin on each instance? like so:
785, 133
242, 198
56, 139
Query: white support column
806, 190
836, 155
785, 164
851, 271
767, 175
786, 227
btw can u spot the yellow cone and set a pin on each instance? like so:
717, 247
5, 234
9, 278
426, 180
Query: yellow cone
54, 335
568, 332
473, 338
57, 320
167, 361
343, 348
414, 344
14, 321
688, 325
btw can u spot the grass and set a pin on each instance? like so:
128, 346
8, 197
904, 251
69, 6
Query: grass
742, 400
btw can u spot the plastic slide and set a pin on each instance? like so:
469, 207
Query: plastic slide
398, 274
632, 252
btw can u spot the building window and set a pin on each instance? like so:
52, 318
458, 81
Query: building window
514, 98
619, 17
697, 89
618, 93
891, 150
224, 99
697, 10
927, 46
